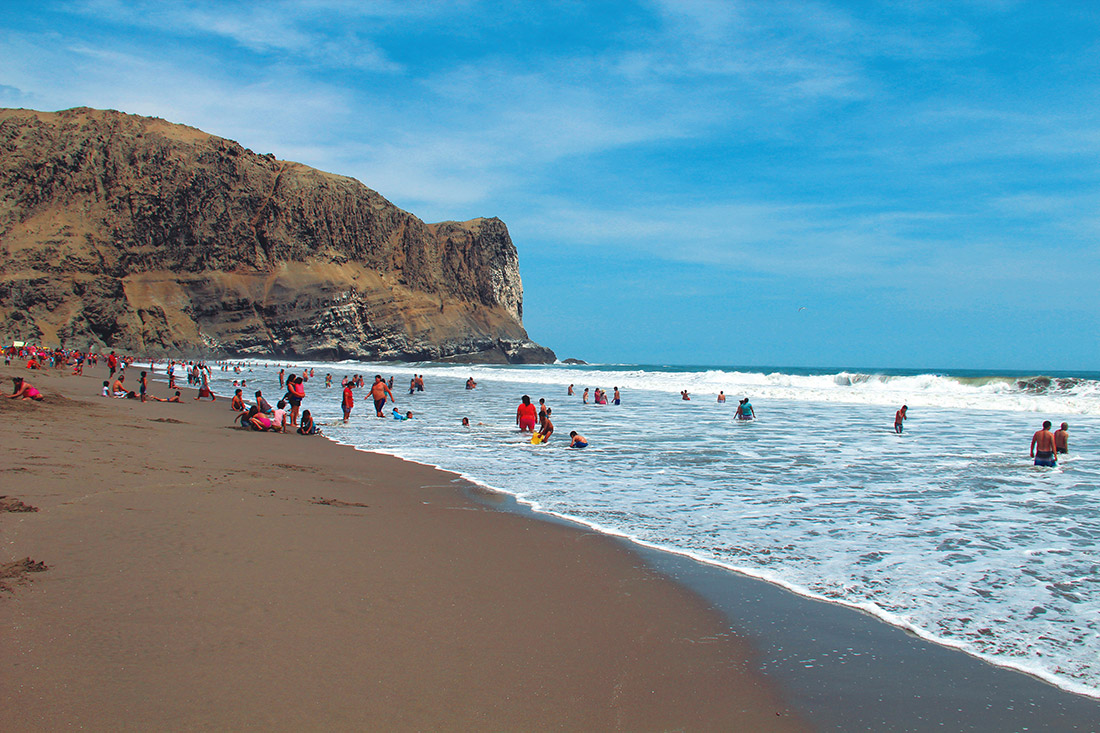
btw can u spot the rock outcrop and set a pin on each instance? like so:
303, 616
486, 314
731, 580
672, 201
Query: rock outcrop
134, 233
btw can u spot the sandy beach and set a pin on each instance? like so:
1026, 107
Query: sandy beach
202, 576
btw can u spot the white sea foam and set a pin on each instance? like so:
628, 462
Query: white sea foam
946, 530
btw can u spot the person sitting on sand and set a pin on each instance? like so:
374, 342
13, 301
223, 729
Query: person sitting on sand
547, 428
118, 389
307, 427
175, 398
263, 404
22, 390
577, 440
238, 402
106, 389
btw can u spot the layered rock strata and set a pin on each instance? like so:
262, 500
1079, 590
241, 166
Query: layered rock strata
134, 233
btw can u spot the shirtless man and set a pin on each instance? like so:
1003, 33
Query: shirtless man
547, 428
1061, 438
378, 391
118, 385
899, 419
1043, 446
174, 398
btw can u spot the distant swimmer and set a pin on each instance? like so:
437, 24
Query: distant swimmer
470, 383
584, 397
577, 440
744, 410
569, 391
684, 395
721, 396
1061, 438
899, 418
1043, 446
465, 422
617, 400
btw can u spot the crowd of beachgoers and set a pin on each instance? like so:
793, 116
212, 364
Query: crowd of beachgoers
257, 413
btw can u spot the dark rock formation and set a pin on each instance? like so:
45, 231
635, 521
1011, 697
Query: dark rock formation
134, 233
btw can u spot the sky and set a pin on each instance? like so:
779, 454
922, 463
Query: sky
849, 184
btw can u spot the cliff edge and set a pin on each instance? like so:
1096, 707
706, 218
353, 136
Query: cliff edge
134, 233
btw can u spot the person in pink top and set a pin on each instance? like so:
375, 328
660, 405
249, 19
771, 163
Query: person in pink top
22, 389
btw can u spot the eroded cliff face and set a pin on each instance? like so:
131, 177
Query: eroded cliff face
133, 233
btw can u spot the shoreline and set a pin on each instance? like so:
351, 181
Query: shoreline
205, 576
645, 548
839, 667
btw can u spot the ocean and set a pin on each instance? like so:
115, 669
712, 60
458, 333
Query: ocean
947, 530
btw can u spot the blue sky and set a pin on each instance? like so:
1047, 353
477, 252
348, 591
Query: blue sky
680, 178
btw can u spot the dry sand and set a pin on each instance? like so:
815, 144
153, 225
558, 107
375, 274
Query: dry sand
201, 576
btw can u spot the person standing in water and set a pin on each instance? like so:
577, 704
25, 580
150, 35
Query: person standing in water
525, 415
899, 418
348, 402
378, 391
1043, 447
1061, 438
745, 411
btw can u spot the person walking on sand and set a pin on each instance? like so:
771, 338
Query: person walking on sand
1043, 447
348, 402
379, 390
1061, 438
525, 415
143, 385
899, 418
204, 390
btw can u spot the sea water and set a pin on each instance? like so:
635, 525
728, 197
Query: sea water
947, 530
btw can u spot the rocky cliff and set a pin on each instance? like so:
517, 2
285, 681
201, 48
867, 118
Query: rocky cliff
134, 233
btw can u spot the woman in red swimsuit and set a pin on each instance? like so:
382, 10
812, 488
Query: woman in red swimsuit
525, 415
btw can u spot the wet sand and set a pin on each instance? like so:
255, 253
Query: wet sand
202, 576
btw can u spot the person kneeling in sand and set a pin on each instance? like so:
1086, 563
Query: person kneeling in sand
257, 420
23, 390
175, 398
578, 440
